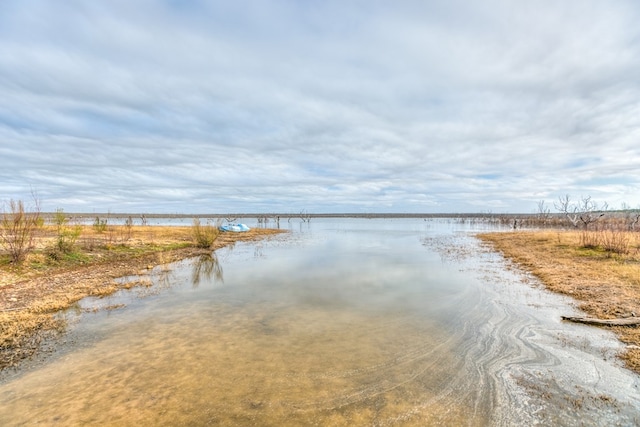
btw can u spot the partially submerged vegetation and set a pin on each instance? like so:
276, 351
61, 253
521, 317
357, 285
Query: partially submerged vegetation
65, 262
599, 268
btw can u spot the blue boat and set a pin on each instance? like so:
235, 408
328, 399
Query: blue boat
235, 228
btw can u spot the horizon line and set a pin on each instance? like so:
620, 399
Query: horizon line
299, 215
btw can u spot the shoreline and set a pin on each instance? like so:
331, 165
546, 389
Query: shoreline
605, 286
31, 296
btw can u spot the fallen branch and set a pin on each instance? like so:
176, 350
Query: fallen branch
627, 321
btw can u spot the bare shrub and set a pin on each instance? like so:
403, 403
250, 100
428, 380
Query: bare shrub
543, 214
204, 235
611, 240
589, 239
18, 227
118, 234
110, 236
66, 234
90, 243
100, 225
126, 231
615, 241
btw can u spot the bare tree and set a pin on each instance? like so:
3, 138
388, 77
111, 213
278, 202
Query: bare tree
631, 216
590, 212
585, 212
543, 211
305, 216
566, 207
18, 226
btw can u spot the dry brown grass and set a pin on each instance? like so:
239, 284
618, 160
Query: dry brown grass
31, 293
605, 284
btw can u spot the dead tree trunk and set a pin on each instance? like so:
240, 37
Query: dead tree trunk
627, 321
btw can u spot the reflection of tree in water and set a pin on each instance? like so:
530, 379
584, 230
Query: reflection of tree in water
206, 267
257, 251
164, 278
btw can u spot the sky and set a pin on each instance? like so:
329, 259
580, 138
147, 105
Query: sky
285, 106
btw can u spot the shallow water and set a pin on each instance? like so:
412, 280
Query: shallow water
341, 322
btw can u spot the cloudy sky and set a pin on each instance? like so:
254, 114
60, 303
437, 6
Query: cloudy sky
174, 106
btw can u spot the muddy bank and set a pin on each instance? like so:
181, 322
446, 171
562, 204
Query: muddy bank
604, 285
32, 294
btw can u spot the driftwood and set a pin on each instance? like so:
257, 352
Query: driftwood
626, 321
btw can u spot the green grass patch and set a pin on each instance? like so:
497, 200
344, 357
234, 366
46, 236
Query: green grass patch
590, 252
76, 258
5, 260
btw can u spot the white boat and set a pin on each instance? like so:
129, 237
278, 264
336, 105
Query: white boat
235, 228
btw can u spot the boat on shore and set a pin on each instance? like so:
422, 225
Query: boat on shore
234, 228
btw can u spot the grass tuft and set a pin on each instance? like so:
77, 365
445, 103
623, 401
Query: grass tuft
204, 236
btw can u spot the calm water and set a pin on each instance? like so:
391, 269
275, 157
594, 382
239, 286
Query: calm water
340, 322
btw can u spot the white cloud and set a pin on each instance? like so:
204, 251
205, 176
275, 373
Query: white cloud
332, 106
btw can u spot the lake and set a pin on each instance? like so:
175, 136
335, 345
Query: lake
339, 322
